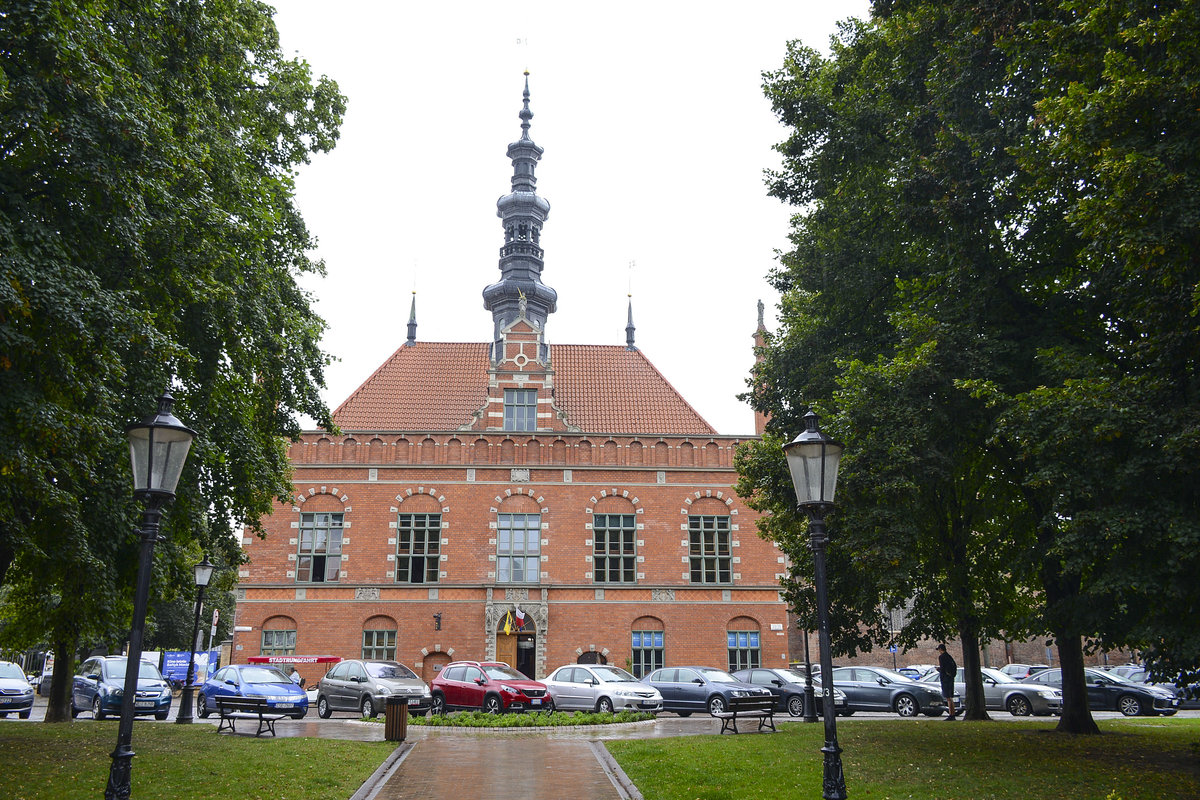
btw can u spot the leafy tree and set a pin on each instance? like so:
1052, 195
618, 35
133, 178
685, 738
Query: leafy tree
147, 154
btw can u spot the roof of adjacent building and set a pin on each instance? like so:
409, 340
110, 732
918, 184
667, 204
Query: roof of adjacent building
438, 386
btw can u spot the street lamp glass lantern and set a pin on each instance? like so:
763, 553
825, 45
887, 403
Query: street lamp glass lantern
204, 571
813, 459
158, 447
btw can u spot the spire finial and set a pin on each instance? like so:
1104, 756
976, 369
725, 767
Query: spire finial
629, 329
412, 322
526, 114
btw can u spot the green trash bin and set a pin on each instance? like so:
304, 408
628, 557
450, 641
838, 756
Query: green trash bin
395, 719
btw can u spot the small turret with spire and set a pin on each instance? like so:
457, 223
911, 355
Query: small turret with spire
523, 213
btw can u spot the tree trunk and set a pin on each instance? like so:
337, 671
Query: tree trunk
976, 703
58, 702
1076, 713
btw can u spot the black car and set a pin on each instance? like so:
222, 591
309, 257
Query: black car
788, 687
1108, 692
879, 689
688, 689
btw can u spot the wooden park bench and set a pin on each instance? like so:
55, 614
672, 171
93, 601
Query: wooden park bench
762, 708
256, 708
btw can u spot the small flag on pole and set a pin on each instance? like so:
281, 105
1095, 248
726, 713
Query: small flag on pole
520, 617
508, 623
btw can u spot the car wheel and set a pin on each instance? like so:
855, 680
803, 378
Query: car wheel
3, 715
795, 705
716, 705
323, 709
97, 711
684, 713
845, 713
74, 710
1018, 706
1170, 713
438, 707
604, 705
301, 714
906, 706
25, 714
161, 715
368, 707
548, 705
202, 707
1129, 705
491, 704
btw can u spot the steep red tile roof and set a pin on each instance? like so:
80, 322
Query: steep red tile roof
436, 386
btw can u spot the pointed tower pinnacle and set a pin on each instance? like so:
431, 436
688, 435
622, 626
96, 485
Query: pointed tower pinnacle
522, 213
629, 329
412, 322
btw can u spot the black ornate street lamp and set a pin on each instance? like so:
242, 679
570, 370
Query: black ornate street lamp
204, 571
158, 448
813, 459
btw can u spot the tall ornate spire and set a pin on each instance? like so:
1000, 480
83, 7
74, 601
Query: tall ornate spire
523, 212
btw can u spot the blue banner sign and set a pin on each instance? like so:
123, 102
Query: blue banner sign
175, 664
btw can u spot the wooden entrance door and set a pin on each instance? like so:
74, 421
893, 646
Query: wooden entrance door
506, 648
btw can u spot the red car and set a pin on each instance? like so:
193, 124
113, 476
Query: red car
488, 685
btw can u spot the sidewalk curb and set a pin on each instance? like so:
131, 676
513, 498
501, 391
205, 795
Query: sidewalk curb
612, 769
379, 777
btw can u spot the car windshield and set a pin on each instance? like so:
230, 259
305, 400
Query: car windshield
613, 674
11, 671
116, 669
264, 675
503, 673
381, 670
719, 675
791, 675
998, 676
893, 676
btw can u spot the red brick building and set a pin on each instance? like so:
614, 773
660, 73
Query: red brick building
517, 500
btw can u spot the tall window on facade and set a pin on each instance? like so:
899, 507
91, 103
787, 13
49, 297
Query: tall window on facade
647, 652
278, 643
744, 652
518, 547
710, 553
379, 645
520, 409
320, 556
418, 543
614, 548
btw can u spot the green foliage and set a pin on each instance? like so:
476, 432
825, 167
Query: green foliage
147, 156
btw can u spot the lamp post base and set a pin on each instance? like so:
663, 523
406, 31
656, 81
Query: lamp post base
120, 774
185, 706
833, 781
810, 705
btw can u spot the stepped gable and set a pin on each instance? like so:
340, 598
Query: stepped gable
438, 386
425, 386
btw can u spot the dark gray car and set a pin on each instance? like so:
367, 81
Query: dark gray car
879, 689
1004, 693
364, 687
688, 689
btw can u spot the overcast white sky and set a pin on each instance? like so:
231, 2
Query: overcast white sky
656, 134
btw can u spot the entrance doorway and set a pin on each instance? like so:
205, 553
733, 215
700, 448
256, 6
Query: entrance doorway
518, 650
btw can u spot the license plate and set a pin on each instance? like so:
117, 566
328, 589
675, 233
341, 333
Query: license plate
414, 701
4, 700
284, 705
143, 704
535, 701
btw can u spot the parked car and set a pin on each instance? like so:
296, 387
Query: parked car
788, 687
599, 687
881, 689
1004, 693
16, 693
491, 686
1189, 696
100, 685
1022, 671
364, 686
689, 689
253, 680
1125, 670
1107, 692
917, 671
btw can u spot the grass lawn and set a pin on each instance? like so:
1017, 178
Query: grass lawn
1134, 759
40, 761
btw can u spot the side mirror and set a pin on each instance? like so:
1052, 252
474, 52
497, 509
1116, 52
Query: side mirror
698, 681
356, 678
230, 682
777, 682
883, 681
481, 681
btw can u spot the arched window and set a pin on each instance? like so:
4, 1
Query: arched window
379, 639
278, 637
742, 638
647, 645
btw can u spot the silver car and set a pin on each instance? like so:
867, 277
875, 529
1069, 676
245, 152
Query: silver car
365, 686
1002, 692
598, 687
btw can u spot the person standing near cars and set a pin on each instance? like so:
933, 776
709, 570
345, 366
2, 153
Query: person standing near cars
948, 671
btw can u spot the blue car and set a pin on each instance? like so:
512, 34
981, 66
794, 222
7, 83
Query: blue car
688, 689
253, 680
100, 685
